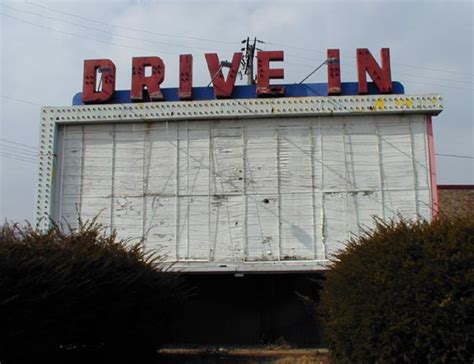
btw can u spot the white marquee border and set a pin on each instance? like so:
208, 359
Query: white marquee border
51, 117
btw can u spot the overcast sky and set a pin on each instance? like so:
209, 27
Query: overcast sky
43, 45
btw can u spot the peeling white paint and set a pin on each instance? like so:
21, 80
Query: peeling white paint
227, 194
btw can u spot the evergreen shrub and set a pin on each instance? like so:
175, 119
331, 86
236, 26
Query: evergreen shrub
403, 293
84, 288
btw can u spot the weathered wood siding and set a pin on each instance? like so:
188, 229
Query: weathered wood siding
257, 190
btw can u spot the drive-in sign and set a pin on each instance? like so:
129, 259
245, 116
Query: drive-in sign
148, 73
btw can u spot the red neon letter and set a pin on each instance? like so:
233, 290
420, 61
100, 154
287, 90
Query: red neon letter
185, 76
223, 88
334, 72
106, 88
152, 82
265, 73
381, 76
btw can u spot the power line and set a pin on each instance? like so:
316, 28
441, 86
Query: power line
20, 100
395, 63
435, 79
188, 37
211, 40
293, 47
82, 36
16, 157
16, 150
129, 28
104, 31
168, 44
420, 81
19, 151
460, 87
454, 156
437, 84
433, 69
467, 82
9, 154
17, 143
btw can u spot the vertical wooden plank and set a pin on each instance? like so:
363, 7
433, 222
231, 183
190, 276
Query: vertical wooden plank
261, 158
317, 190
71, 176
432, 167
212, 241
362, 154
414, 169
335, 227
398, 166
313, 193
334, 168
161, 225
334, 182
160, 156
226, 227
349, 181
244, 193
83, 149
112, 182
129, 180
323, 254
59, 193
262, 231
363, 177
96, 173
278, 176
188, 192
295, 156
261, 186
194, 156
421, 161
381, 170
193, 187
295, 174
296, 226
176, 219
368, 205
145, 175
226, 187
226, 158
181, 203
193, 215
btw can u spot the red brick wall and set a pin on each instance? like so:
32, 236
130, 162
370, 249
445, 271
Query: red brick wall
455, 199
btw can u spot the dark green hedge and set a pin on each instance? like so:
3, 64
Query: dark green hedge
81, 289
403, 293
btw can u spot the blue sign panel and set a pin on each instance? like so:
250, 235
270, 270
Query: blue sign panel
249, 92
